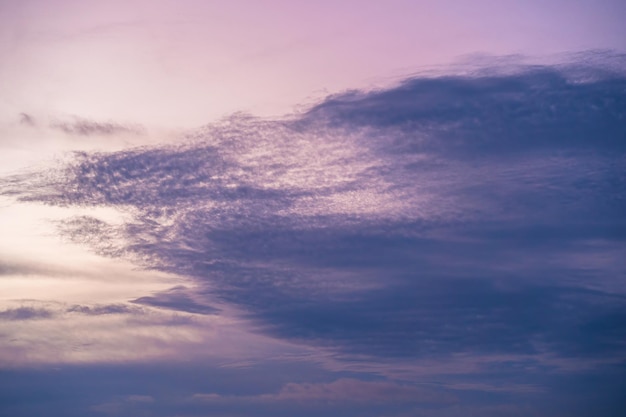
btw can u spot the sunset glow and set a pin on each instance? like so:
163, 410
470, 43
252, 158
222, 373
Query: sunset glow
279, 208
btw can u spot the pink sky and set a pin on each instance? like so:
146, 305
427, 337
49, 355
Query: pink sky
423, 245
186, 63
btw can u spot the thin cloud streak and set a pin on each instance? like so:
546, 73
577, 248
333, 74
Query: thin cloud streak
84, 127
341, 391
25, 313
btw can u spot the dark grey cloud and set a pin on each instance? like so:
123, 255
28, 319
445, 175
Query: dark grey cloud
452, 216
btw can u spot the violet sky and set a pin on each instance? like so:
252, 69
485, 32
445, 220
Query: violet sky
286, 208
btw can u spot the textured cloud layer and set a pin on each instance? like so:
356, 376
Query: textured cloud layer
476, 216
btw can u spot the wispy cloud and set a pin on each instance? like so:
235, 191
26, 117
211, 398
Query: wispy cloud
86, 127
25, 313
125, 404
103, 309
343, 391
27, 120
178, 298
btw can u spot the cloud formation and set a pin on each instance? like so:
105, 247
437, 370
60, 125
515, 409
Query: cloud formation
25, 313
177, 298
27, 120
341, 391
457, 216
85, 127
98, 310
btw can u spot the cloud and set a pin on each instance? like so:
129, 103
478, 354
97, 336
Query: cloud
103, 309
27, 120
25, 313
85, 127
423, 221
11, 268
140, 399
177, 298
477, 386
123, 405
344, 391
501, 410
351, 390
502, 112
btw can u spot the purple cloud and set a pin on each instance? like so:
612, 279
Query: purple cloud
342, 391
85, 127
428, 223
25, 313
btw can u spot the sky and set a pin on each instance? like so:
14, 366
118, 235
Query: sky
368, 209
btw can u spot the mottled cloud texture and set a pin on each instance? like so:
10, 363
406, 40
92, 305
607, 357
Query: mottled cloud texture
467, 230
